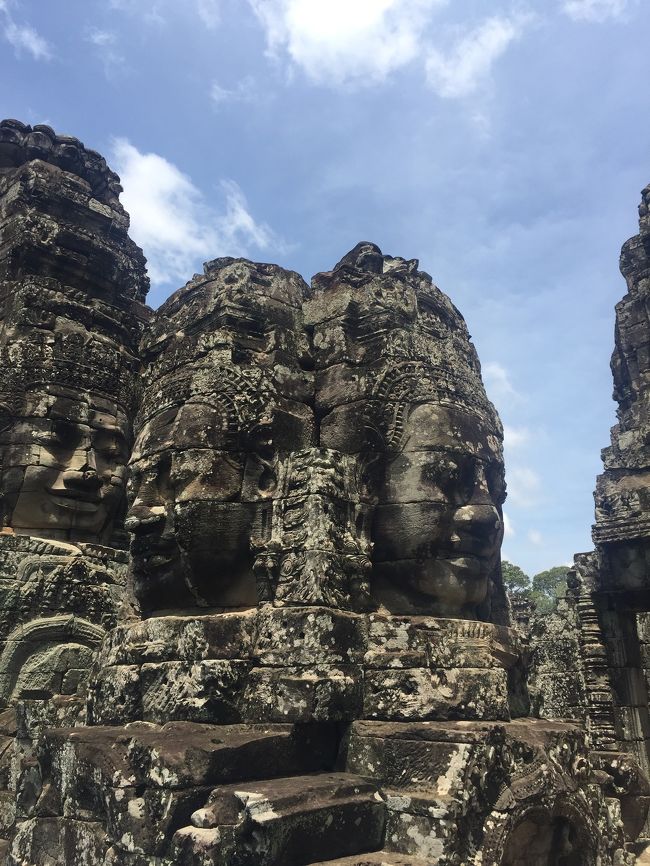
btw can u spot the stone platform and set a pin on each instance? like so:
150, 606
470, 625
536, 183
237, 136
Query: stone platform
301, 664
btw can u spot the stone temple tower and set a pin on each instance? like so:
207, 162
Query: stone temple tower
313, 661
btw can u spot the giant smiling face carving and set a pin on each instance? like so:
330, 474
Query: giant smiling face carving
438, 527
64, 465
191, 526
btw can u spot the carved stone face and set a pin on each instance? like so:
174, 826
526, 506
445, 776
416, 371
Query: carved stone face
438, 526
190, 522
64, 466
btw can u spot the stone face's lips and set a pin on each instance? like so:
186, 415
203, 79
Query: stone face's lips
462, 560
158, 560
150, 556
466, 565
75, 501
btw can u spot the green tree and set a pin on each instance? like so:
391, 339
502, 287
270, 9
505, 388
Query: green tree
548, 586
515, 580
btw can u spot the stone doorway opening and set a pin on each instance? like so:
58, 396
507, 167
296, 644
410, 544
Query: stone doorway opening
543, 840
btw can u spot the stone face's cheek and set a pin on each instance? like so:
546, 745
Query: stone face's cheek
215, 539
409, 530
205, 474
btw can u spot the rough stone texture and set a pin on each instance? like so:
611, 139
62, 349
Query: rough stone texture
464, 793
72, 285
301, 664
622, 528
225, 401
57, 601
398, 385
599, 636
307, 654
556, 646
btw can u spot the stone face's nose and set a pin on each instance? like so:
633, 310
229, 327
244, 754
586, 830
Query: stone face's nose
476, 525
143, 519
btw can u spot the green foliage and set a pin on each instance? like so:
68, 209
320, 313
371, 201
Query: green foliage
548, 586
515, 580
543, 590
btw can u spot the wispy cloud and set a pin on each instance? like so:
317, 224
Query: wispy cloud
524, 486
244, 91
23, 37
596, 10
462, 70
498, 384
339, 42
209, 12
515, 437
535, 537
149, 10
508, 528
174, 224
157, 12
106, 45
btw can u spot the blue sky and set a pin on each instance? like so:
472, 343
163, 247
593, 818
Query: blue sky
504, 144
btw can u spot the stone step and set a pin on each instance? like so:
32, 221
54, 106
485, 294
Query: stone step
143, 781
292, 821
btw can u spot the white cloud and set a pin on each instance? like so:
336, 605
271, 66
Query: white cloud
524, 486
243, 92
461, 71
595, 10
508, 528
535, 537
105, 42
346, 41
100, 37
158, 12
173, 223
498, 383
209, 12
515, 437
24, 38
149, 10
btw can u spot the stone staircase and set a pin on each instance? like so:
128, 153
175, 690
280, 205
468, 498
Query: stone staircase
289, 821
203, 795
